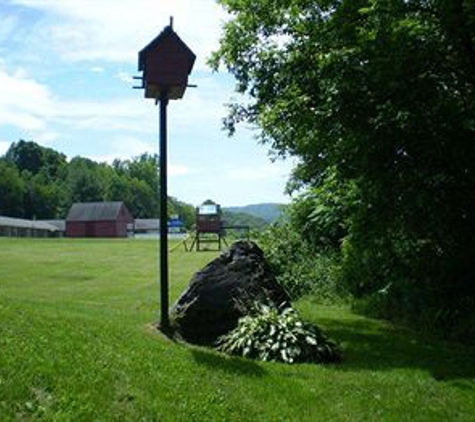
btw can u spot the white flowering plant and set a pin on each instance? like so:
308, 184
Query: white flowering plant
268, 333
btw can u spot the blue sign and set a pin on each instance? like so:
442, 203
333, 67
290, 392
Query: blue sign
175, 223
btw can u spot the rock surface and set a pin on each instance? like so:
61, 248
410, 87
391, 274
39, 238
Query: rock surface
210, 307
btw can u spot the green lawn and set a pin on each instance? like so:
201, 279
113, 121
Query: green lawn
76, 343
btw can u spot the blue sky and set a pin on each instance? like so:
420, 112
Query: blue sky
65, 82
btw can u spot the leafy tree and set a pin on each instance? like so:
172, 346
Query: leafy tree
25, 156
12, 190
144, 200
42, 198
185, 212
38, 182
145, 167
136, 183
382, 93
32, 157
118, 189
83, 182
322, 214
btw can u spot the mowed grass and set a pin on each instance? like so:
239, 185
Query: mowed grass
76, 343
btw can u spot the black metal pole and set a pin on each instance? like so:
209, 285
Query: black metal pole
163, 214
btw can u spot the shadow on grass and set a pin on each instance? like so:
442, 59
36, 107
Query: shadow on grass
229, 365
373, 345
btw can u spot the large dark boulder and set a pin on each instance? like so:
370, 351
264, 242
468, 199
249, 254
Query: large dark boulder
213, 302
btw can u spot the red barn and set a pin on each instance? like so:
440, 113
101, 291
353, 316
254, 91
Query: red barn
98, 219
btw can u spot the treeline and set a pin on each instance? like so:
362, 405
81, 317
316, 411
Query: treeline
40, 183
232, 218
375, 99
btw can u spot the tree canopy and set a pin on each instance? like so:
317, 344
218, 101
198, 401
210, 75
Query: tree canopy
39, 182
376, 100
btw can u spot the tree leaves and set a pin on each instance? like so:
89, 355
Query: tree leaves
381, 94
270, 334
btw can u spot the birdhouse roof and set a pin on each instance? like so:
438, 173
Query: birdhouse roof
168, 32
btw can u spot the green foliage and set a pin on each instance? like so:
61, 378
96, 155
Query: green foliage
38, 182
270, 334
12, 190
321, 215
185, 212
299, 267
43, 197
143, 167
143, 200
34, 158
375, 99
136, 183
83, 181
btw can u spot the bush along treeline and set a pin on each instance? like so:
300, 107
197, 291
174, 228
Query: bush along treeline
40, 183
375, 99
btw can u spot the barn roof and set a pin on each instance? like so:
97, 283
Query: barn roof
26, 224
147, 224
168, 32
95, 211
59, 224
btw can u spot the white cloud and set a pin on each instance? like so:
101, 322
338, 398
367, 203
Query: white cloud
23, 102
112, 30
4, 145
113, 114
118, 122
46, 137
32, 107
124, 77
128, 148
123, 149
270, 171
179, 170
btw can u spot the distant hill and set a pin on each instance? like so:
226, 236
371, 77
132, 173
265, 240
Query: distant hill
232, 218
269, 212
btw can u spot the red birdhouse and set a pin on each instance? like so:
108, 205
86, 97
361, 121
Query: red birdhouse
166, 63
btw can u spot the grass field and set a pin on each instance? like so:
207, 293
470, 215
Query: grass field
76, 344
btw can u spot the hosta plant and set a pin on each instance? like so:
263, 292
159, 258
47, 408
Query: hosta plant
271, 334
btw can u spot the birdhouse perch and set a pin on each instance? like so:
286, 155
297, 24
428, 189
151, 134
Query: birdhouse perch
166, 63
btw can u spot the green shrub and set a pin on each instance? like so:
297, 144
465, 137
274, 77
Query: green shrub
298, 267
269, 334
